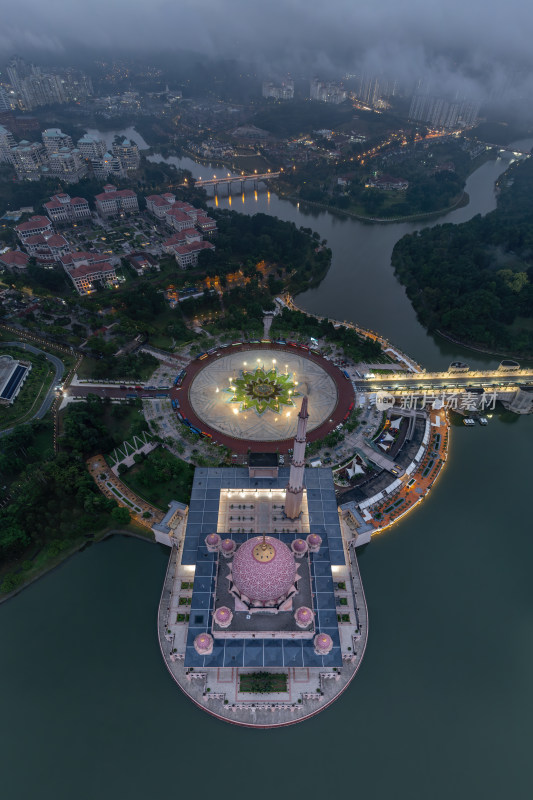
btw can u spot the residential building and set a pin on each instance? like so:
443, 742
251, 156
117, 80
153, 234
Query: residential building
63, 208
112, 202
29, 160
127, 153
6, 103
33, 227
107, 166
183, 237
68, 165
327, 92
283, 91
86, 276
7, 141
90, 147
187, 254
14, 259
47, 248
56, 141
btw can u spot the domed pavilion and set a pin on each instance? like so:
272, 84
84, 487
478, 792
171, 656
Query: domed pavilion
263, 575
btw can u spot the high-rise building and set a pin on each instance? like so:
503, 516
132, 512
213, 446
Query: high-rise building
127, 153
55, 140
442, 113
327, 92
36, 87
29, 158
283, 91
90, 147
7, 141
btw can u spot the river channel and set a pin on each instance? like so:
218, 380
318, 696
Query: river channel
441, 707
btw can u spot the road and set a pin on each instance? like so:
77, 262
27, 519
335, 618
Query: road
50, 395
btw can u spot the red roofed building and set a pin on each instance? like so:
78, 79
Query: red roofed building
71, 260
47, 249
183, 237
14, 259
187, 254
35, 225
84, 276
158, 205
177, 219
207, 225
63, 208
112, 202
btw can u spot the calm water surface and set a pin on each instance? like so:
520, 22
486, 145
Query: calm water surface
442, 704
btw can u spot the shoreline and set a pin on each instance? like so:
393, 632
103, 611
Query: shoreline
463, 201
476, 349
68, 555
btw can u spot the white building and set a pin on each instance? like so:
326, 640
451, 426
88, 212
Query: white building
29, 159
187, 254
90, 147
127, 153
112, 202
64, 208
55, 140
7, 141
34, 226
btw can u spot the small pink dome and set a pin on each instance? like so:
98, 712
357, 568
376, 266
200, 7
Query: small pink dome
303, 616
228, 545
223, 616
323, 643
299, 546
203, 643
212, 540
263, 581
314, 540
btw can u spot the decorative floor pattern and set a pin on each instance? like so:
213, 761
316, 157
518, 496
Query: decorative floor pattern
216, 410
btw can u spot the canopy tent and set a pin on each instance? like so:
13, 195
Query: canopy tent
395, 423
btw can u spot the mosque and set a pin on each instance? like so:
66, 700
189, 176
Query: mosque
261, 581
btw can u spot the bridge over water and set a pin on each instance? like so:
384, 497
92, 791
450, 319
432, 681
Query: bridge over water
254, 178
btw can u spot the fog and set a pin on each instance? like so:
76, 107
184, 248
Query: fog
476, 47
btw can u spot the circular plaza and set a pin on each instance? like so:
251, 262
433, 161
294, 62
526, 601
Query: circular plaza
247, 396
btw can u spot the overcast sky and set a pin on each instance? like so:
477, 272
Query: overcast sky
465, 43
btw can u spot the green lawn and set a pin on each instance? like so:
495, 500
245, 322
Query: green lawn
161, 478
263, 682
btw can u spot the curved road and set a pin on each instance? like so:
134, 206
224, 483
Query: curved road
50, 396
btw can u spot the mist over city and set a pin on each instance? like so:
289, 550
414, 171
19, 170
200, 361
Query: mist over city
266, 399
477, 49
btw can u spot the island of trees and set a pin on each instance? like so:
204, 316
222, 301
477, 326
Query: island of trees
474, 282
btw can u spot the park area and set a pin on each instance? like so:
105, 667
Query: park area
159, 478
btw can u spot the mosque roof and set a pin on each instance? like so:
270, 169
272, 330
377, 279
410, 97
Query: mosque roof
263, 571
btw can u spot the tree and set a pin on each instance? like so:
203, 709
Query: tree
120, 515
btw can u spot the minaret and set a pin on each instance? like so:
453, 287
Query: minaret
295, 488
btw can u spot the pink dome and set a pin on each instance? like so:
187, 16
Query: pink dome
223, 616
203, 643
263, 579
323, 643
303, 616
228, 545
314, 540
213, 539
299, 546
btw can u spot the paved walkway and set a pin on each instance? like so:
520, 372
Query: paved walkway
122, 494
